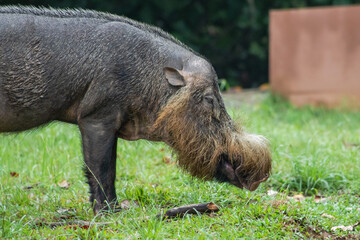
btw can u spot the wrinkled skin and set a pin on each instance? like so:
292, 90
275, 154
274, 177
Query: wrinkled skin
117, 78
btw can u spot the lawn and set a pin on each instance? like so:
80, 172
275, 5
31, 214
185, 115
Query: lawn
314, 186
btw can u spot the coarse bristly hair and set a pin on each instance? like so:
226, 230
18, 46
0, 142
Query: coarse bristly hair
201, 144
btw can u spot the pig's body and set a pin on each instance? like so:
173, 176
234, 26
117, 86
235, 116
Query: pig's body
59, 67
115, 77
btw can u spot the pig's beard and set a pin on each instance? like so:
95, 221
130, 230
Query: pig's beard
200, 143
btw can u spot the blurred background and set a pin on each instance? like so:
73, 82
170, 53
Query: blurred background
232, 34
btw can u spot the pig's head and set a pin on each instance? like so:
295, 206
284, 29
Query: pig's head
194, 122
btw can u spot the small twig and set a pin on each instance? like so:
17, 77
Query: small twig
190, 209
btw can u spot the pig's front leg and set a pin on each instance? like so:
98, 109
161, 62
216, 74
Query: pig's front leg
99, 148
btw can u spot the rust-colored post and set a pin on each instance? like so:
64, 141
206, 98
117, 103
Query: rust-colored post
315, 55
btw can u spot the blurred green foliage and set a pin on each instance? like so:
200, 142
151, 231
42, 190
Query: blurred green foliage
232, 34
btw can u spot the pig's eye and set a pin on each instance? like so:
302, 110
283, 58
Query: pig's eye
209, 99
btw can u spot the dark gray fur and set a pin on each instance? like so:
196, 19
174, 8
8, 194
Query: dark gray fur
100, 71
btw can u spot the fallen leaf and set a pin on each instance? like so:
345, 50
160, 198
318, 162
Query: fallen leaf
346, 228
14, 174
319, 199
278, 203
348, 144
64, 184
167, 160
40, 221
342, 227
74, 226
297, 198
63, 210
126, 204
65, 214
327, 216
162, 150
272, 192
348, 209
84, 226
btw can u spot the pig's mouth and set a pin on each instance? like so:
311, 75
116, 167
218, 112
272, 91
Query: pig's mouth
226, 172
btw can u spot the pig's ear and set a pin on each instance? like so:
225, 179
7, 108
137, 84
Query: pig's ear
174, 77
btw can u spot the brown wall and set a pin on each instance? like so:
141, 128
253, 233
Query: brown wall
315, 55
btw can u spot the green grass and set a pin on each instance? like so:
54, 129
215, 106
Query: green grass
309, 157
